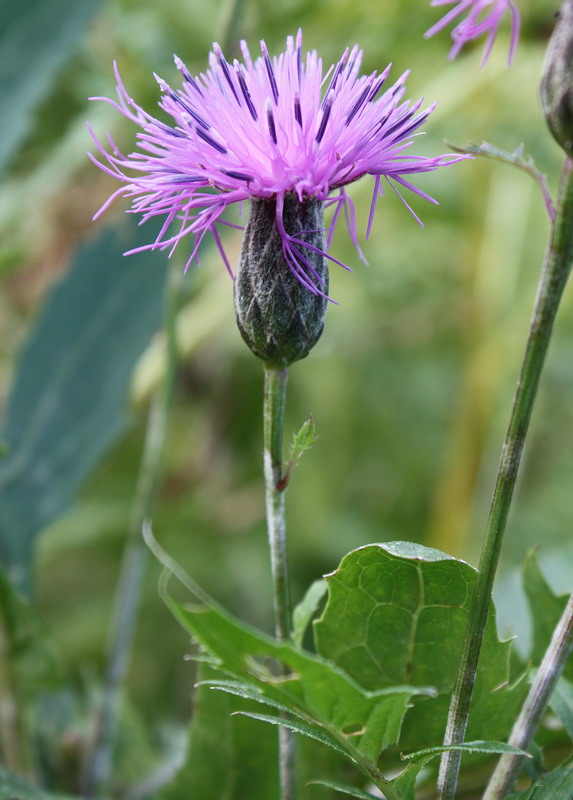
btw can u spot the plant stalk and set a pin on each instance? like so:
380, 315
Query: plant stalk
535, 705
273, 427
99, 761
555, 272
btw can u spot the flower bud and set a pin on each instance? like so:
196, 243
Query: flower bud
279, 317
557, 80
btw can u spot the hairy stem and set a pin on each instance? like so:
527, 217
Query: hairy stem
556, 269
535, 705
99, 761
273, 418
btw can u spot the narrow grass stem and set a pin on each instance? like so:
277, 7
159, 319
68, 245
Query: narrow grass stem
273, 417
535, 705
556, 269
99, 761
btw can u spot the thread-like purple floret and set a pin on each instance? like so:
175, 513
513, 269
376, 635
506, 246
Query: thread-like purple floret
224, 147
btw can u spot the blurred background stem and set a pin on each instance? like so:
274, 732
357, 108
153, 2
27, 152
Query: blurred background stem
535, 705
99, 760
11, 735
556, 269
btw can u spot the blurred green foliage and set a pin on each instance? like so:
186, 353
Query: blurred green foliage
409, 387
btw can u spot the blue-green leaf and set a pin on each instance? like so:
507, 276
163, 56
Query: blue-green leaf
68, 399
37, 37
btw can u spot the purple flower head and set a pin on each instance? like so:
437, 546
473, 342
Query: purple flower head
271, 128
484, 17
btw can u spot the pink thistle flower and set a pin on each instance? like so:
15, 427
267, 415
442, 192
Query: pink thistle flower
484, 17
267, 129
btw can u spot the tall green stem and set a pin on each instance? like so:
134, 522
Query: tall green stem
273, 416
535, 705
556, 269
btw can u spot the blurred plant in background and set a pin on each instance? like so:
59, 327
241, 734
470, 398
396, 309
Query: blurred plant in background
414, 374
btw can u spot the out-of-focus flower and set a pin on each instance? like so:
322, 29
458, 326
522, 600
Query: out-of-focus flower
483, 17
267, 129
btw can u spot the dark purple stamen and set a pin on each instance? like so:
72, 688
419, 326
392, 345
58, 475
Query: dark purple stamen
357, 105
186, 179
240, 176
185, 106
377, 86
209, 140
404, 118
337, 71
324, 120
271, 122
245, 91
409, 128
297, 109
173, 131
225, 67
270, 73
187, 75
352, 62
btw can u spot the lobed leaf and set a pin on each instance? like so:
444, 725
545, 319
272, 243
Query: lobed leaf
396, 613
557, 785
361, 722
545, 608
306, 609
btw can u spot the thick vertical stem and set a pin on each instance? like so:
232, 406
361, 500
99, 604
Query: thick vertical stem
556, 269
535, 705
274, 407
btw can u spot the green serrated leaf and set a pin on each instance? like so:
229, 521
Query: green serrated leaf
298, 726
302, 440
406, 781
469, 747
361, 722
343, 788
396, 613
562, 704
311, 754
545, 609
228, 758
246, 692
306, 609
557, 785
36, 40
69, 395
